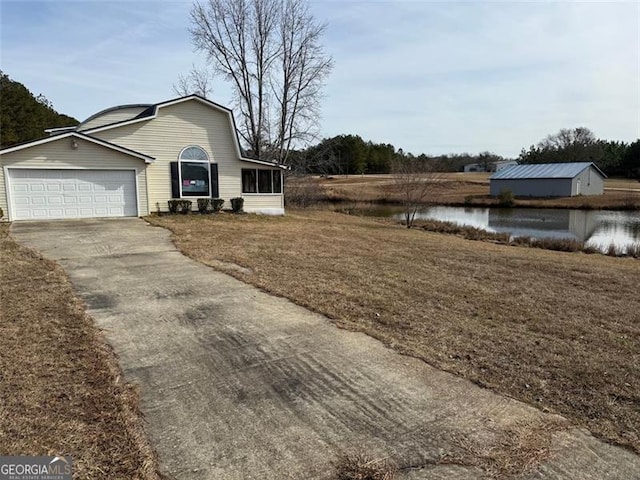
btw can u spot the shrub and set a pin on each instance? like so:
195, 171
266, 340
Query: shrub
1, 213
236, 204
217, 204
185, 206
304, 191
173, 206
204, 205
179, 205
506, 198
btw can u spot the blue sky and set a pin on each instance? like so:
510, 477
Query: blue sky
432, 77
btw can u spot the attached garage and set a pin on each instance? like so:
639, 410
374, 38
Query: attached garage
72, 176
45, 194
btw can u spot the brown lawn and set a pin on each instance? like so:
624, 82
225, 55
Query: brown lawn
469, 189
557, 330
61, 390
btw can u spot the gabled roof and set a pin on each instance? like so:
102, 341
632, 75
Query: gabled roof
97, 141
545, 170
151, 111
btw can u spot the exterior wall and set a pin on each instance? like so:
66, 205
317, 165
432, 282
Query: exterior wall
591, 183
59, 154
533, 187
119, 115
178, 126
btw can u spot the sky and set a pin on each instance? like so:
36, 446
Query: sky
428, 77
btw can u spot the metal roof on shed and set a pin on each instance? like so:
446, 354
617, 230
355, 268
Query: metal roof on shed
544, 170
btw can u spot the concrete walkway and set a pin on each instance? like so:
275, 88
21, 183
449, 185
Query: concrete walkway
238, 384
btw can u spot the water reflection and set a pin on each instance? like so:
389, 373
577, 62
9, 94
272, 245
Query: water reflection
597, 228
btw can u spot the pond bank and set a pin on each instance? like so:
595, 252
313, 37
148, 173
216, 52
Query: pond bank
613, 233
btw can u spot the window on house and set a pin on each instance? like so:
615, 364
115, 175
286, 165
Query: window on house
277, 181
195, 173
255, 180
249, 183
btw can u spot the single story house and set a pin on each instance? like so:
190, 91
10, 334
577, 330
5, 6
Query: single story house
131, 159
489, 167
549, 180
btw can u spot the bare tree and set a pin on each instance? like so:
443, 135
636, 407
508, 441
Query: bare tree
271, 53
197, 82
415, 180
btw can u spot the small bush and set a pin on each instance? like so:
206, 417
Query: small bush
506, 198
1, 213
304, 191
173, 206
237, 204
204, 205
179, 205
184, 206
361, 467
217, 204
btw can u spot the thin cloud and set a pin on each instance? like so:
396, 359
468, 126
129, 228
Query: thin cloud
431, 77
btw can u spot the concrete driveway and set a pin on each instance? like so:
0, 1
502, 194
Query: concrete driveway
239, 384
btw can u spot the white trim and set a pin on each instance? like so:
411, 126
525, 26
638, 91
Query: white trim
58, 129
207, 161
194, 146
268, 164
7, 189
14, 167
82, 136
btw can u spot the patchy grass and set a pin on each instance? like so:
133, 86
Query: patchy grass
470, 189
60, 384
556, 330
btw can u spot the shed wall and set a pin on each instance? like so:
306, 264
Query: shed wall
533, 187
591, 183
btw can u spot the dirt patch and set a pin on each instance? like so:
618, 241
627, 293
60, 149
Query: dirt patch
556, 330
60, 382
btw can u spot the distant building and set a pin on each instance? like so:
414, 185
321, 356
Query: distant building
489, 167
549, 180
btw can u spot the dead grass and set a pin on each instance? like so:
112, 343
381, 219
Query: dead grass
471, 189
60, 383
556, 330
359, 466
517, 450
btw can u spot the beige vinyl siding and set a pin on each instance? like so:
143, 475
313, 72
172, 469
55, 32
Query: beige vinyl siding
59, 154
178, 126
119, 115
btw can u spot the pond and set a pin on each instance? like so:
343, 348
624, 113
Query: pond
596, 228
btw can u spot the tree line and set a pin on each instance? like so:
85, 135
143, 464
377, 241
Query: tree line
352, 155
24, 116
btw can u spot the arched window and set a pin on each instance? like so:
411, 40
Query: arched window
194, 173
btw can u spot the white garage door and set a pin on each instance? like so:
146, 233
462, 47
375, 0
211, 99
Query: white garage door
50, 194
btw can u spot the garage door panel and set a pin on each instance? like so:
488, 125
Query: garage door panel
49, 194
